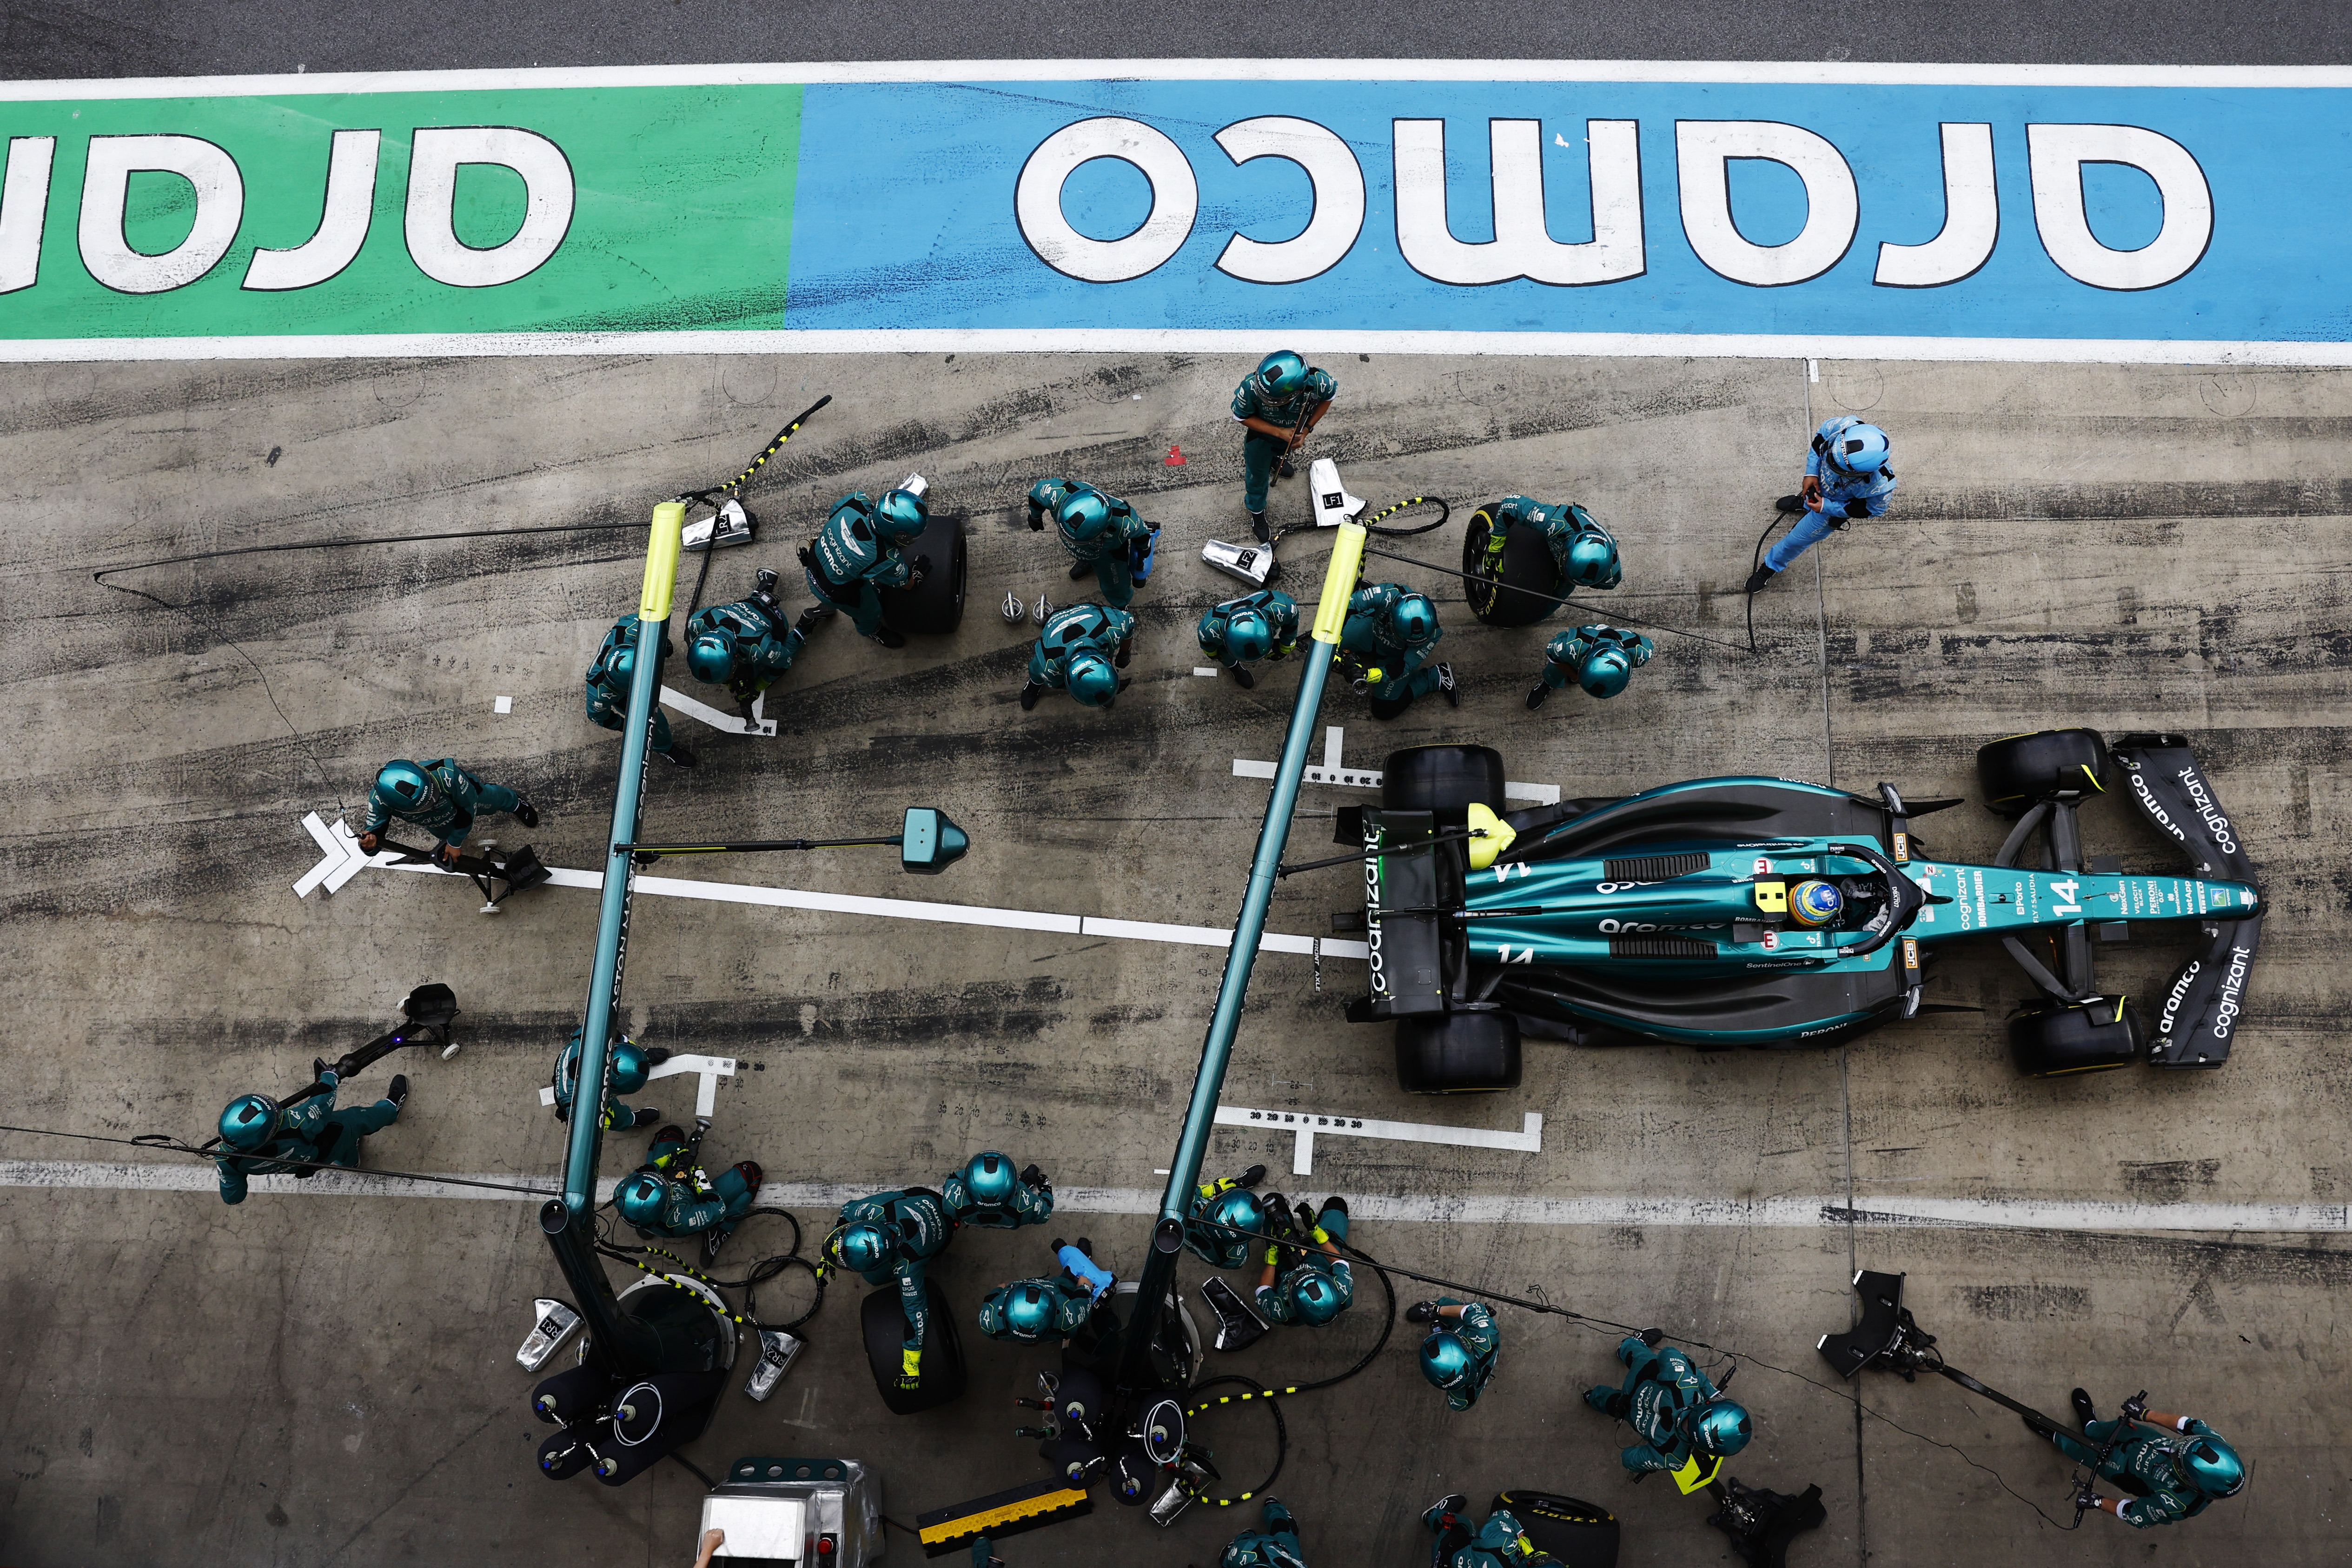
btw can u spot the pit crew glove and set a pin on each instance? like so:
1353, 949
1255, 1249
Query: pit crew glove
1032, 1177
910, 1368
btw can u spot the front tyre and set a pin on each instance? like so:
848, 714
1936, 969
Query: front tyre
1521, 589
1457, 1053
2021, 771
1445, 780
933, 607
2048, 1041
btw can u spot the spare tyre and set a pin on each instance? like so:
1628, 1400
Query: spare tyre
1457, 1053
2051, 1041
933, 607
2019, 772
885, 1327
1524, 588
1445, 780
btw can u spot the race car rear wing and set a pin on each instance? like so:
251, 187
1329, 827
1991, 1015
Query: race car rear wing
2207, 995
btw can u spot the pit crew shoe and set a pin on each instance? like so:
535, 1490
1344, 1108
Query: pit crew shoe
1446, 686
1242, 677
890, 637
682, 755
1790, 506
1258, 530
815, 615
1081, 570
1757, 578
646, 1116
1434, 1517
1126, 652
1030, 692
1421, 1312
1250, 1177
525, 814
2084, 1411
1535, 695
398, 1091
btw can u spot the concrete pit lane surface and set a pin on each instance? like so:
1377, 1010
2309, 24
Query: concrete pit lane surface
324, 1375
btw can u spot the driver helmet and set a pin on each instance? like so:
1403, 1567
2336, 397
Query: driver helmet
1248, 636
641, 1196
1592, 554
1445, 1359
989, 1178
1856, 450
1415, 618
859, 1247
1314, 1298
2210, 1466
1028, 1311
1281, 373
630, 1067
1083, 516
1091, 679
248, 1121
1605, 672
1720, 1427
901, 515
711, 655
1815, 903
407, 783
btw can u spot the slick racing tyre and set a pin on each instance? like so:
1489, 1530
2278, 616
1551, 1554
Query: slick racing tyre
1457, 1053
933, 607
2051, 1041
1509, 596
1581, 1535
2021, 771
885, 1328
1444, 780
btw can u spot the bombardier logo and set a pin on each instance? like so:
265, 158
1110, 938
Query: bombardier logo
2215, 823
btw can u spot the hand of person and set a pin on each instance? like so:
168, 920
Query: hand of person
713, 1539
1810, 487
449, 854
1031, 1175
368, 842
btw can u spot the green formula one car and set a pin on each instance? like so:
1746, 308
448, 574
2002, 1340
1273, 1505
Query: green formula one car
1762, 912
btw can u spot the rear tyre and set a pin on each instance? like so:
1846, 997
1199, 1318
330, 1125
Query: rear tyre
1444, 780
1514, 594
934, 607
2022, 770
885, 1328
2052, 1041
1458, 1053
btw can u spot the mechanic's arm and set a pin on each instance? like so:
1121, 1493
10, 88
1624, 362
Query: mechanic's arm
1314, 417
713, 1539
1268, 427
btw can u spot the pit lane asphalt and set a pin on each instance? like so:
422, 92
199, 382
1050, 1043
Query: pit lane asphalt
153, 37
316, 1379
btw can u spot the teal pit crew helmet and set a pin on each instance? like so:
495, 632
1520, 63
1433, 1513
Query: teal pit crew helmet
711, 657
639, 1196
249, 1121
901, 515
1721, 1426
1083, 516
1281, 373
1444, 1360
630, 1067
989, 1178
858, 1247
407, 783
623, 664
1414, 617
1592, 555
1027, 1312
1237, 1210
1859, 449
1091, 679
2211, 1466
1313, 1298
1248, 636
1605, 673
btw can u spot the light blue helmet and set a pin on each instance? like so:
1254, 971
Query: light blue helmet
1605, 672
1281, 373
1415, 618
630, 1068
248, 1121
1857, 450
990, 1179
407, 783
711, 655
859, 1247
2211, 1466
1028, 1310
1445, 1359
1091, 679
901, 515
1815, 903
1593, 560
1720, 1427
641, 1196
1082, 514
1314, 1298
1249, 635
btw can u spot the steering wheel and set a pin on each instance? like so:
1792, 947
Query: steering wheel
1907, 899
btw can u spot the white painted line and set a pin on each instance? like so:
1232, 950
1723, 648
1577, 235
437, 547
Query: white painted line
1060, 73
1331, 738
1674, 1213
1369, 778
1308, 1124
718, 718
328, 846
708, 1069
1208, 670
1099, 340
502, 705
1245, 769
